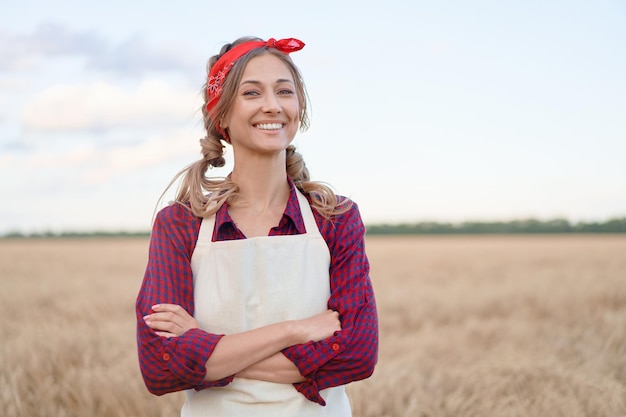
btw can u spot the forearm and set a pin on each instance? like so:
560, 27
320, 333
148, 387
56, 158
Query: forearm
237, 352
230, 354
276, 368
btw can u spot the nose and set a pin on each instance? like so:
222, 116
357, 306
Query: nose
271, 104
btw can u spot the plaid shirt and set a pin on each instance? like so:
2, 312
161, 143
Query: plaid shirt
177, 363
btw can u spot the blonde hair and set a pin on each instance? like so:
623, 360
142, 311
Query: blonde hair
205, 195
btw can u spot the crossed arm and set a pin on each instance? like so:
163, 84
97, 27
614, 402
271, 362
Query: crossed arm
254, 354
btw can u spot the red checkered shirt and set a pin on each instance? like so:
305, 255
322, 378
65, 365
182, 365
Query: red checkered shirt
177, 363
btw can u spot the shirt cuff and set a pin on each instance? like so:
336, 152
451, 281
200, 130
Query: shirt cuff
309, 357
186, 357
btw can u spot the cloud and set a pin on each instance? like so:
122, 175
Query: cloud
10, 86
87, 174
89, 164
155, 152
101, 106
131, 57
134, 56
14, 82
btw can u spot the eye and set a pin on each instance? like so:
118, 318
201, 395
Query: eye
250, 93
285, 91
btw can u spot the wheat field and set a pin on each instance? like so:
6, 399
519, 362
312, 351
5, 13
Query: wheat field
470, 326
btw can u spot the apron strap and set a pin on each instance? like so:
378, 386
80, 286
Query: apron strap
208, 223
307, 214
206, 229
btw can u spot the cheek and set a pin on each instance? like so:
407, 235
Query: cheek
294, 111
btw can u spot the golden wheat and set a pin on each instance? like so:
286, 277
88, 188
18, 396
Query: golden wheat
470, 326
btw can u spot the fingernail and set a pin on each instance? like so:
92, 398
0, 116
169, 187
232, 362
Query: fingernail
146, 317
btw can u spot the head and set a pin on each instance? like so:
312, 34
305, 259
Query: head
216, 108
204, 195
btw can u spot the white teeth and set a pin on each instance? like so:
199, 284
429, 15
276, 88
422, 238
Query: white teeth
269, 126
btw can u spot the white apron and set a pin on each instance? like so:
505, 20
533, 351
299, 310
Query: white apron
244, 284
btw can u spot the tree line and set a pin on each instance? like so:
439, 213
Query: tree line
528, 226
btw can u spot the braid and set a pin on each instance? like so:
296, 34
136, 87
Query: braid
213, 151
296, 168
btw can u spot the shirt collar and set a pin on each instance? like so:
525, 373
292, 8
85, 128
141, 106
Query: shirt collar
292, 212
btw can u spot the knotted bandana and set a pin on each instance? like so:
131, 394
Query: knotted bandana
220, 69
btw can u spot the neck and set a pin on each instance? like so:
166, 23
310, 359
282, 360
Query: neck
262, 182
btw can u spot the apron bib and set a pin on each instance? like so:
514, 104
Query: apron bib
244, 284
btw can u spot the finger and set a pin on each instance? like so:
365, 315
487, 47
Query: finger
164, 325
165, 316
166, 334
173, 309
167, 307
179, 324
179, 316
175, 318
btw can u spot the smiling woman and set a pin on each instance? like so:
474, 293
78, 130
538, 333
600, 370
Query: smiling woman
257, 293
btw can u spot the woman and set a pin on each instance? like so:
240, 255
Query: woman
256, 298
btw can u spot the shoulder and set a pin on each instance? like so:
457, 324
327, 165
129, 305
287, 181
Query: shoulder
351, 214
351, 209
345, 222
174, 213
177, 221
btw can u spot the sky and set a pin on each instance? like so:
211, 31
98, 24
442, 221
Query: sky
420, 111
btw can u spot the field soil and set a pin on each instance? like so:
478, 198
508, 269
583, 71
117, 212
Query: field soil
470, 326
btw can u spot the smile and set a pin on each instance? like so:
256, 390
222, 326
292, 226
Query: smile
269, 126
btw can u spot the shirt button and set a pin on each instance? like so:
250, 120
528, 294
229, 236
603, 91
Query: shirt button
335, 346
166, 356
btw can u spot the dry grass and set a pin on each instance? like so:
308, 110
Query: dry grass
470, 326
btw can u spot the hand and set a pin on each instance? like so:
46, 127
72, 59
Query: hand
170, 320
319, 327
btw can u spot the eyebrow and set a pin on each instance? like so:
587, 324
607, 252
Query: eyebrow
278, 81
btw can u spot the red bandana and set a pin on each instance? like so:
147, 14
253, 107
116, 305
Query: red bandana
220, 69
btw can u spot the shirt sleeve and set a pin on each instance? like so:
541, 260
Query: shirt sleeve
351, 354
176, 363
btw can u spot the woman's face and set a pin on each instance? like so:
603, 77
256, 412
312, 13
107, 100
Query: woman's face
264, 116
